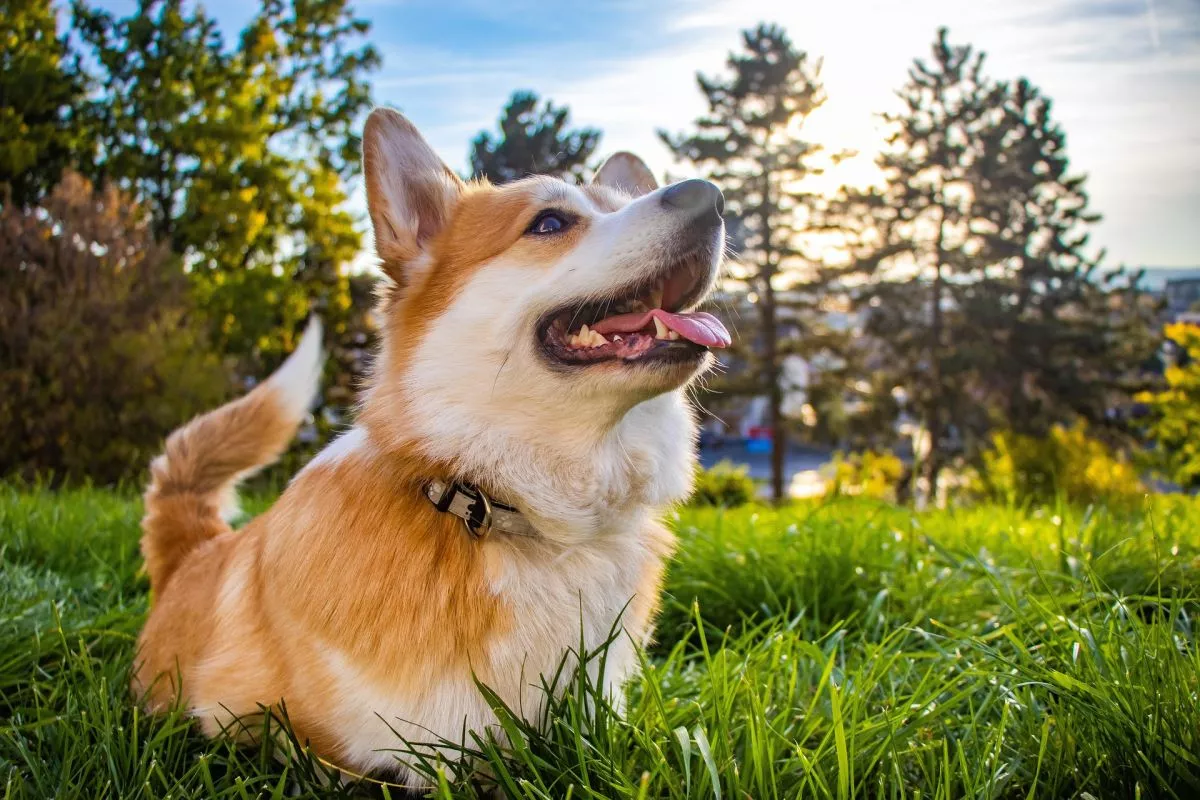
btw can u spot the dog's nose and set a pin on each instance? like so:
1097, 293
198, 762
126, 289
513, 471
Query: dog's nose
695, 197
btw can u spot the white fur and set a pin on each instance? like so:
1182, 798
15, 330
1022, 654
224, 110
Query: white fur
345, 446
297, 380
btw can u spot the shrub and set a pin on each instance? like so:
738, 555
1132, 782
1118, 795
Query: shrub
99, 357
874, 474
1174, 419
1067, 463
724, 484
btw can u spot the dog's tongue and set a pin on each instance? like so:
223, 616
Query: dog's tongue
696, 326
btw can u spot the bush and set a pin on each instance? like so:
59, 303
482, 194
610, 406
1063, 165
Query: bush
99, 357
1174, 419
1068, 463
871, 473
725, 484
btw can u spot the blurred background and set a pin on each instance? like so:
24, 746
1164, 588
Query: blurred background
965, 236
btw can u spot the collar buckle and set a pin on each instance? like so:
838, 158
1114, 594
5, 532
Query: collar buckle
480, 527
479, 513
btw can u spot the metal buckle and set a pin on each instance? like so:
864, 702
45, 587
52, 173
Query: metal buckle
440, 494
481, 529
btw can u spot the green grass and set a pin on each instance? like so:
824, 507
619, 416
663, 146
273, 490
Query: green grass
843, 650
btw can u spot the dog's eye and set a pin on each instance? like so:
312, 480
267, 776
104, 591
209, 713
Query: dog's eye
548, 222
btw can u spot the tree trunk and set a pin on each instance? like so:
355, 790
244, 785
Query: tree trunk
772, 369
771, 365
933, 424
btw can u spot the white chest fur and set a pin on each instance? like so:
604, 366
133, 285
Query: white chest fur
561, 599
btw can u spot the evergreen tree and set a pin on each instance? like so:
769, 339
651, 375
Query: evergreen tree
1055, 338
533, 141
749, 144
38, 93
970, 269
915, 236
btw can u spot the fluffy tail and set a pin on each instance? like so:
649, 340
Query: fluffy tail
192, 483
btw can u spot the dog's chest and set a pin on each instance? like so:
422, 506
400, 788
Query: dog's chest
581, 597
557, 603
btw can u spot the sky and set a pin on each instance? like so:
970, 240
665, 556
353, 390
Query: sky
1124, 76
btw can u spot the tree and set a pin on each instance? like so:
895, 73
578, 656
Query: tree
100, 355
1055, 339
749, 144
239, 154
912, 237
1173, 424
38, 92
970, 267
533, 141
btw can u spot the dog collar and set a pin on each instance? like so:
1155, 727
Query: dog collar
479, 513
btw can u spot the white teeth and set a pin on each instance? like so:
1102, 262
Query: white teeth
617, 337
587, 338
672, 335
660, 330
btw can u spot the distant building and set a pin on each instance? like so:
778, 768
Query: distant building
1182, 295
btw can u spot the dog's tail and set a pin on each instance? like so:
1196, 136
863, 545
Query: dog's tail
192, 483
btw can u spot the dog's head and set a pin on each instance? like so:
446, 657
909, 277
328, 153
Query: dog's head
537, 308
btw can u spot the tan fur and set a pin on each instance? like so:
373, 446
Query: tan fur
352, 571
186, 483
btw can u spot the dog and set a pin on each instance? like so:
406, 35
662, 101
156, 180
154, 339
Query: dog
497, 503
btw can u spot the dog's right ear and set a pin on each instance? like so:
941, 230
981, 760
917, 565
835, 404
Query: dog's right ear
410, 192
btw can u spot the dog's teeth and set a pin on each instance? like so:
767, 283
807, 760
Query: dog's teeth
616, 337
672, 335
598, 340
656, 295
660, 330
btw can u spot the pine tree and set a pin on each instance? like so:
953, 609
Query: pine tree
748, 144
533, 141
38, 94
913, 238
971, 271
1057, 338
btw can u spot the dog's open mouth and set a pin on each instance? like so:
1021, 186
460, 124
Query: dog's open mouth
641, 323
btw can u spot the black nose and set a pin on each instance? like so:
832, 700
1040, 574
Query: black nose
696, 197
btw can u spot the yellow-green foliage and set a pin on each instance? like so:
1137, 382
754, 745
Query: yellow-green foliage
1067, 463
724, 484
870, 473
1175, 412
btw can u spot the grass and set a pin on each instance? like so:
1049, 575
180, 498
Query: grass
840, 650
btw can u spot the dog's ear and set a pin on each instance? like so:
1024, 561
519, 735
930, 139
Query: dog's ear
627, 172
410, 192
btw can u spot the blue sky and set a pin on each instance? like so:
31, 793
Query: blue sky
1124, 75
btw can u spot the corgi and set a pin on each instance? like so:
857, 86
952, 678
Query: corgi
498, 501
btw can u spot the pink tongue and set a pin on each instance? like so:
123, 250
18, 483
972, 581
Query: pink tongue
697, 326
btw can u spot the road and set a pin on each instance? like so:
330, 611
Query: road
799, 459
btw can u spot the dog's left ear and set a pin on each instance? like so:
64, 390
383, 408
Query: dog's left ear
410, 191
626, 172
